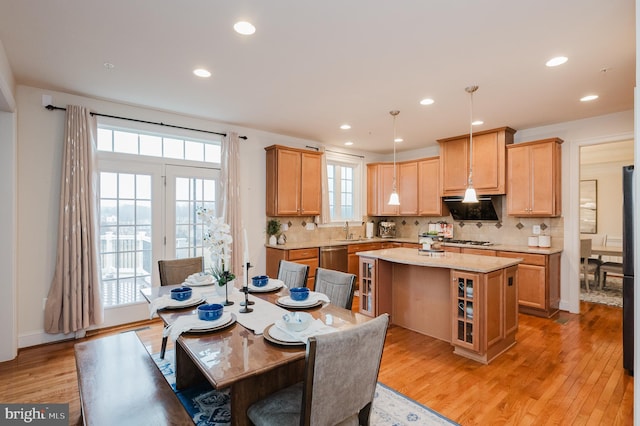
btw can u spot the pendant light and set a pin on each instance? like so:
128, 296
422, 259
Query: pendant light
394, 200
470, 195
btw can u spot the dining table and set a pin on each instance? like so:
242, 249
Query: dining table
606, 251
243, 355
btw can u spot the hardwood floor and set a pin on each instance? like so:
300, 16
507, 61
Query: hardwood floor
563, 371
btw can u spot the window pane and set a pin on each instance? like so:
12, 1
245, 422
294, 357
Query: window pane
126, 186
151, 145
182, 212
209, 190
108, 212
125, 142
182, 188
212, 153
143, 212
108, 185
193, 151
143, 187
104, 140
173, 148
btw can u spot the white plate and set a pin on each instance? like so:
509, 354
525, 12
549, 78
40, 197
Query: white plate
195, 283
202, 325
279, 337
179, 304
272, 285
290, 303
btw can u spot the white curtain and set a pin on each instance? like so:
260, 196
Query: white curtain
325, 216
231, 211
74, 302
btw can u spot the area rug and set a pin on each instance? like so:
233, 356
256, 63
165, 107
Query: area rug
610, 295
210, 407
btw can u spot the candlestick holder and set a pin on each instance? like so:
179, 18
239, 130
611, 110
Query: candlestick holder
245, 290
227, 302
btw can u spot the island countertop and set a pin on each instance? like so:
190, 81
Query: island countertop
457, 261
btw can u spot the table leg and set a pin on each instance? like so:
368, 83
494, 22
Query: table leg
187, 373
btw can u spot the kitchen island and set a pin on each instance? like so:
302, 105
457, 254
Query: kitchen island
468, 300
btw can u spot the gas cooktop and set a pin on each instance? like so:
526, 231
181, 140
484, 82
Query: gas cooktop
470, 242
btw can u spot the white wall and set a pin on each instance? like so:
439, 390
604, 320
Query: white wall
8, 164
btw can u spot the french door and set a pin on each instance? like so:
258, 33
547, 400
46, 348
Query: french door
147, 212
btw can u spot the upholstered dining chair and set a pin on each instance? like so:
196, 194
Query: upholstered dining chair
338, 286
340, 377
175, 271
609, 266
589, 265
293, 274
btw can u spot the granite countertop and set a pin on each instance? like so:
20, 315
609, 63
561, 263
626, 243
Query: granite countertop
330, 243
457, 261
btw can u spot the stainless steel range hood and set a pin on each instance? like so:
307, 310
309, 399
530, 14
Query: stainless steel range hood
487, 209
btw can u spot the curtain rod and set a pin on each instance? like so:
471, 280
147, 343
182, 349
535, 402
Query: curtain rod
52, 107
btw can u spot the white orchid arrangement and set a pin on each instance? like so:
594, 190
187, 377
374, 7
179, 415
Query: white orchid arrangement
218, 239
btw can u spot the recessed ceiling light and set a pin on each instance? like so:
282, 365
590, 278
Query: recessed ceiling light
477, 123
558, 60
244, 28
427, 101
398, 140
201, 72
345, 127
108, 65
588, 98
348, 143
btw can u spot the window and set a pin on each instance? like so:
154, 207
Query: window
344, 187
147, 206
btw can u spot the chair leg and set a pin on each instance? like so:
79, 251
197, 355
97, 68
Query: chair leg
164, 347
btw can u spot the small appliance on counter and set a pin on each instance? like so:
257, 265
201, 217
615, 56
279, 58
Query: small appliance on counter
387, 229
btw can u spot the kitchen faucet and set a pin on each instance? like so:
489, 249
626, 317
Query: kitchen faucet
346, 229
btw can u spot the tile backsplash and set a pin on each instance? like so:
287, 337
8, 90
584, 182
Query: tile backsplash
510, 230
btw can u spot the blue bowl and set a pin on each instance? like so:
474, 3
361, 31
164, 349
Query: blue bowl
260, 280
299, 293
210, 312
181, 293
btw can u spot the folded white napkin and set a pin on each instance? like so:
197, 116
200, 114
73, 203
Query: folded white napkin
315, 328
192, 322
312, 299
199, 278
271, 285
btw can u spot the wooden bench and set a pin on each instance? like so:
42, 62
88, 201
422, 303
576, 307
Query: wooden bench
120, 384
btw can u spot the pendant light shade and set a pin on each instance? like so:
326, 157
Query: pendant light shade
470, 195
394, 199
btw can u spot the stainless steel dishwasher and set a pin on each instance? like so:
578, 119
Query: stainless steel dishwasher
334, 257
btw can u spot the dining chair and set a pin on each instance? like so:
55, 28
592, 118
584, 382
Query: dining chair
589, 265
175, 271
609, 266
338, 286
293, 274
340, 377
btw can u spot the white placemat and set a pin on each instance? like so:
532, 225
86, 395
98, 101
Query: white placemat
315, 328
263, 315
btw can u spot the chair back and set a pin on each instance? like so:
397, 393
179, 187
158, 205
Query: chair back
585, 248
293, 274
175, 271
341, 374
338, 286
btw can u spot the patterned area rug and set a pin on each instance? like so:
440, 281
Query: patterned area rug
209, 407
610, 295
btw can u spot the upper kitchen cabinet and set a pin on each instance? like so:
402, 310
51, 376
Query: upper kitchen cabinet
534, 178
429, 198
379, 188
293, 181
417, 185
488, 162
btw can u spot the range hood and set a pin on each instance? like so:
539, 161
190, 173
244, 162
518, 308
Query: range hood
485, 210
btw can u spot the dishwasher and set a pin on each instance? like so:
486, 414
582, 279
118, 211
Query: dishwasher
334, 257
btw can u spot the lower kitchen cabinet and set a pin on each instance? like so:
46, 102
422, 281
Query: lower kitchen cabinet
307, 256
538, 281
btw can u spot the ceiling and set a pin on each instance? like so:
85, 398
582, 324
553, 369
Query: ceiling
312, 65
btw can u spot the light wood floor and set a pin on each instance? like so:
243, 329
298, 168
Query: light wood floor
563, 371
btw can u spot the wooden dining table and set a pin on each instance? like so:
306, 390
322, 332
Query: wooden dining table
606, 251
236, 357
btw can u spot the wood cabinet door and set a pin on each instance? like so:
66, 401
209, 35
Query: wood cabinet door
488, 163
532, 286
372, 190
454, 166
385, 187
310, 184
542, 179
518, 181
288, 168
429, 200
408, 188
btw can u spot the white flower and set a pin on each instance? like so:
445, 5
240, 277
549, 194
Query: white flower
217, 237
